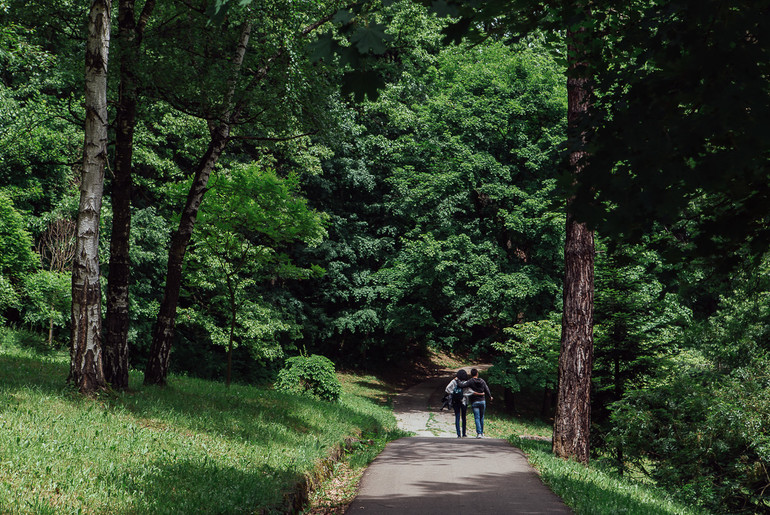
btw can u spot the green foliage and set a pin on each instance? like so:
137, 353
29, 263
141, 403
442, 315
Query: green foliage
738, 334
702, 435
148, 254
680, 137
473, 156
9, 299
310, 375
47, 299
249, 220
39, 140
17, 258
529, 359
638, 323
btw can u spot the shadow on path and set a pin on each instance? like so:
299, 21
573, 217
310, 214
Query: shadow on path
429, 475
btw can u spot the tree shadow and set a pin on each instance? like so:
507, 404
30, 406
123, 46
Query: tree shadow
189, 486
43, 373
197, 406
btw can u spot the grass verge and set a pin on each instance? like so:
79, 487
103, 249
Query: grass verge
590, 490
192, 447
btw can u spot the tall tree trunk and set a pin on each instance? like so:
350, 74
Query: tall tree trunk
573, 411
116, 362
86, 371
163, 332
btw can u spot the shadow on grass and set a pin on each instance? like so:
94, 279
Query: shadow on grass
588, 490
374, 386
239, 414
188, 486
42, 373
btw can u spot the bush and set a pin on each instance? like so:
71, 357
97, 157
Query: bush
310, 375
47, 299
8, 297
705, 436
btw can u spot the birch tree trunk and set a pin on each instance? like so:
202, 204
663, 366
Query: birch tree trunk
86, 371
573, 411
163, 332
117, 320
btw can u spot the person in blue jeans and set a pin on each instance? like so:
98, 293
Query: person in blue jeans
459, 401
478, 399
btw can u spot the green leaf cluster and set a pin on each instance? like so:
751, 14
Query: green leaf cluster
312, 375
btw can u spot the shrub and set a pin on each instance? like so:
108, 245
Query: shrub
310, 375
47, 299
8, 297
17, 258
705, 436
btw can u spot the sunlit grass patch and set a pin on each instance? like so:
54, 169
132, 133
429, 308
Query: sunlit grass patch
192, 447
590, 490
502, 426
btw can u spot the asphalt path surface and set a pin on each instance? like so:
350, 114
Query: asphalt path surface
437, 473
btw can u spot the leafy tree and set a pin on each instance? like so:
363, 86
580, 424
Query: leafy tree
638, 320
41, 134
241, 233
679, 138
640, 323
17, 258
528, 360
47, 300
243, 82
701, 435
737, 334
343, 314
472, 155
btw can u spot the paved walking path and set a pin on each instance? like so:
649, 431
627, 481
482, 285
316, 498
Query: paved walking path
438, 473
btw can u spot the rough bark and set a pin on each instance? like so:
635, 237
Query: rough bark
86, 371
573, 411
116, 362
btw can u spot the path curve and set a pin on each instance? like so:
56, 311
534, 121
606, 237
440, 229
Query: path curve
437, 473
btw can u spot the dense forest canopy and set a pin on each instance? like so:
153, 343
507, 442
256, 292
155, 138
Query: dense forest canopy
290, 178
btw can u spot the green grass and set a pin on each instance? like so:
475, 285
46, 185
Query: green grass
591, 490
192, 447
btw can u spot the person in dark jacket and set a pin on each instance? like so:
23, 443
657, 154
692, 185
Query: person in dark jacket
478, 399
459, 400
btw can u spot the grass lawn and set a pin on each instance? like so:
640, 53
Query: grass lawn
194, 446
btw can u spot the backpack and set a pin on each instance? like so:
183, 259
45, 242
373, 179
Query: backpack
457, 395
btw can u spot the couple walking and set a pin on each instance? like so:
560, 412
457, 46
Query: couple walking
464, 392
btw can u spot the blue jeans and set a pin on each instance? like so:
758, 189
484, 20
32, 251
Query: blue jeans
460, 411
479, 407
